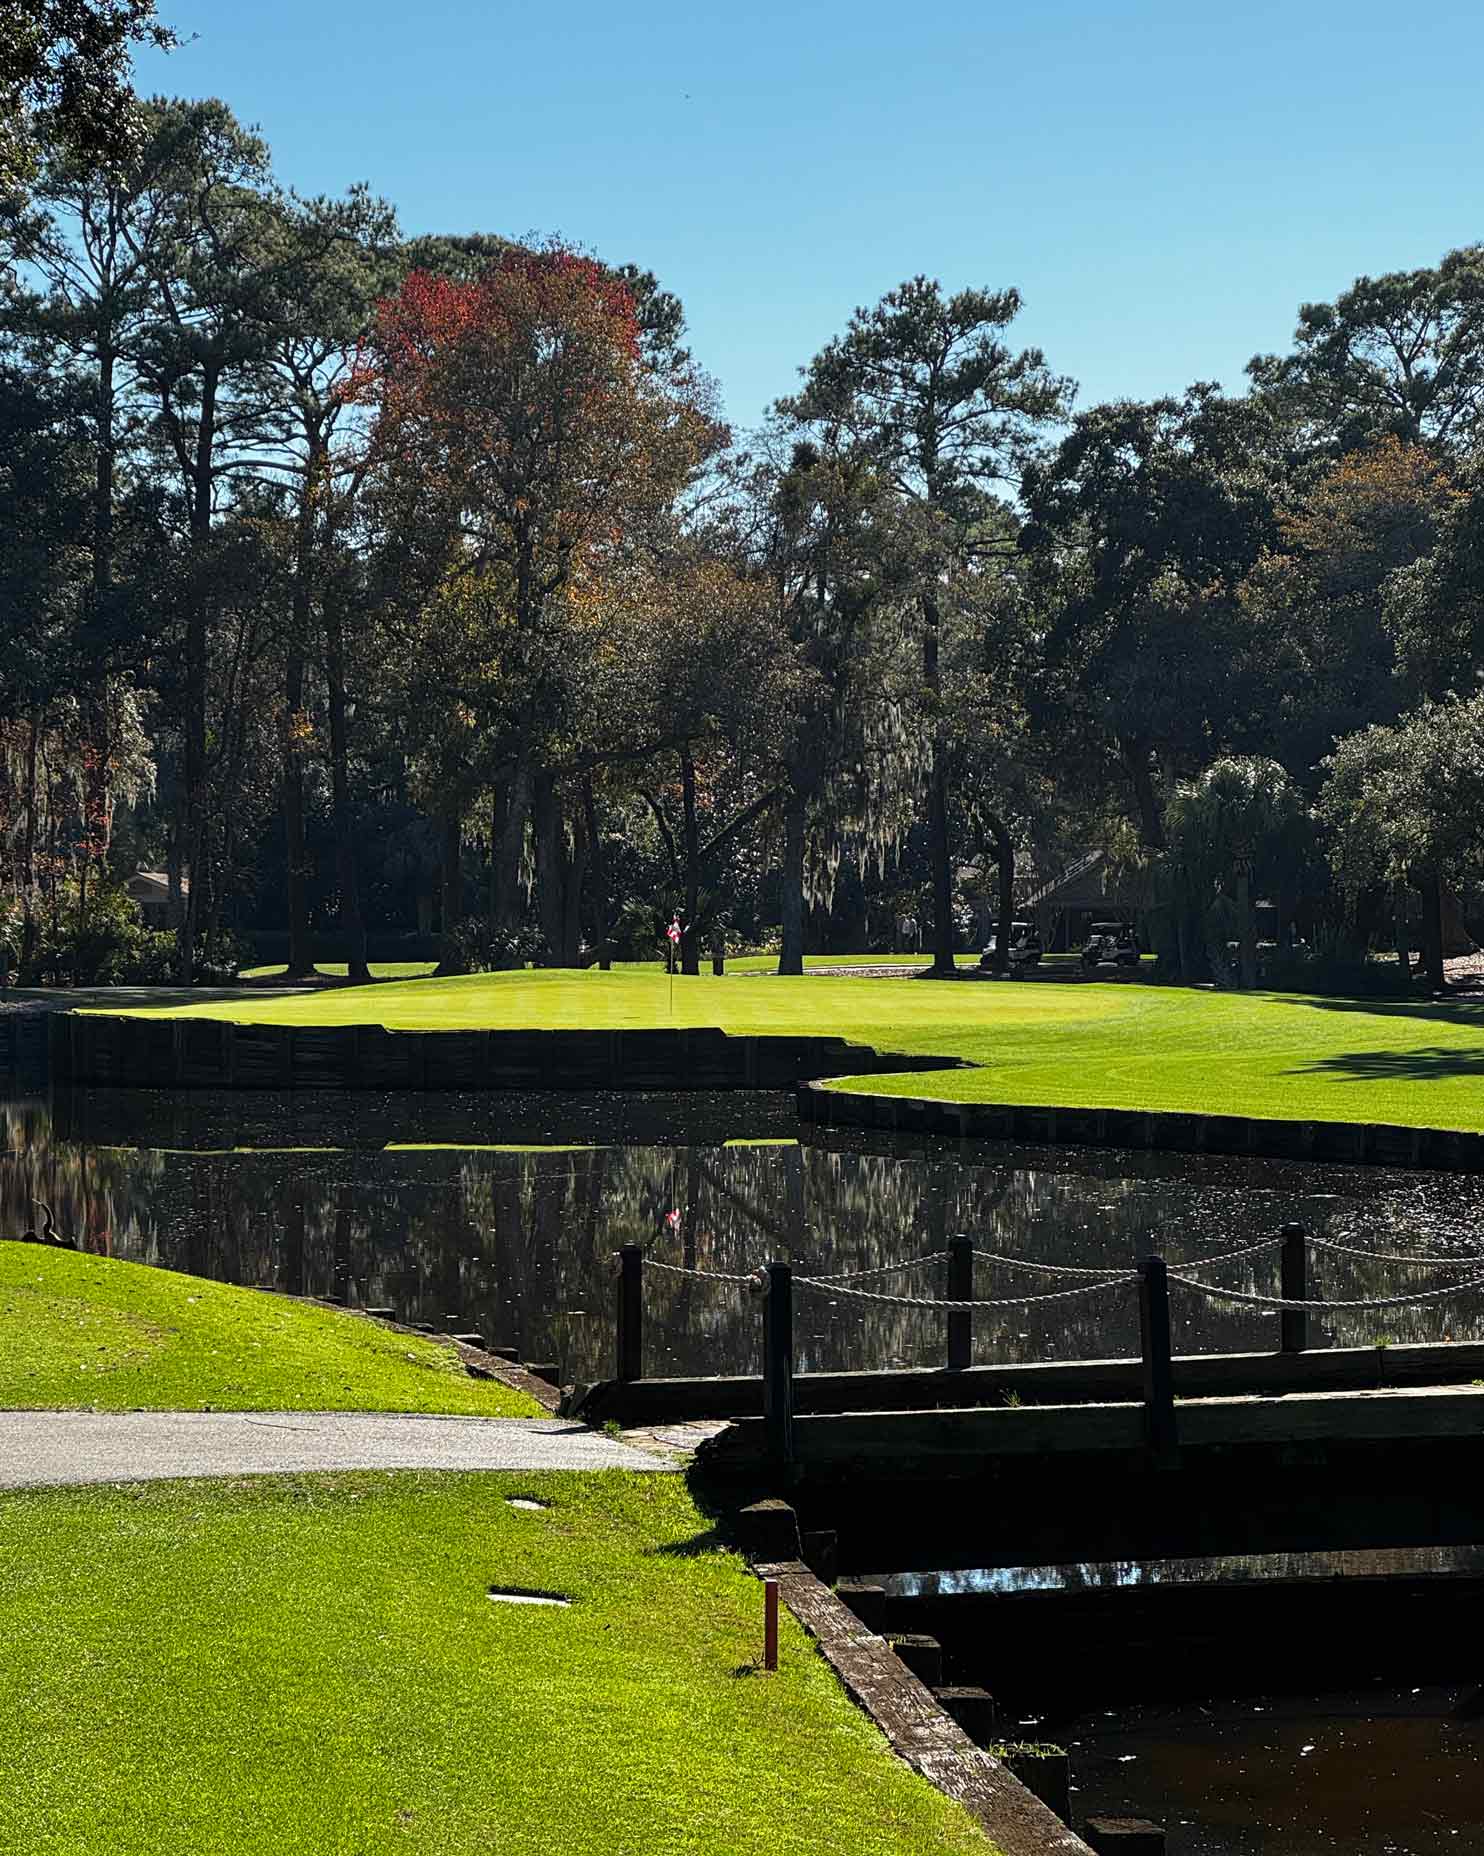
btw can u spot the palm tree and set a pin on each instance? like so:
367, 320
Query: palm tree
1241, 817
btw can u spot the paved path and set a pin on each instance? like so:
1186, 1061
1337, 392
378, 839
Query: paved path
39, 1447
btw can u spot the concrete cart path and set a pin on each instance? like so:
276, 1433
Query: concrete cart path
50, 1447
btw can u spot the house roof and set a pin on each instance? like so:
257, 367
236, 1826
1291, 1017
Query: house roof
155, 882
1089, 883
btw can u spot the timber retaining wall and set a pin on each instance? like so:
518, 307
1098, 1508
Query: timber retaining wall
213, 1053
1365, 1143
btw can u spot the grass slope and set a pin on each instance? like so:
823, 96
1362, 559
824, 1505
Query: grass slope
311, 1666
1113, 1045
78, 1330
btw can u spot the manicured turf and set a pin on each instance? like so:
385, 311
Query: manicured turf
311, 1666
78, 1330
1103, 1045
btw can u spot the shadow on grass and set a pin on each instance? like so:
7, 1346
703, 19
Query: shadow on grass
1427, 1064
1467, 1009
709, 1540
99, 998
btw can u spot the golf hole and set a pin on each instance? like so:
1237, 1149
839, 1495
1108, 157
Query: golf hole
513, 1595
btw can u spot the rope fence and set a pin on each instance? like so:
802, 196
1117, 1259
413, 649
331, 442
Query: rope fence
1308, 1306
952, 1304
1154, 1278
1382, 1256
884, 1269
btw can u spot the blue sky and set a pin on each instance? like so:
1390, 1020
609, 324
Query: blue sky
1164, 184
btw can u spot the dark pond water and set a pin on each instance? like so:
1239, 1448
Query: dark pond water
1375, 1769
505, 1210
1387, 1772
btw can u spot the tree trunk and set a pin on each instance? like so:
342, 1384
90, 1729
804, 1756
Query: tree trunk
1456, 937
1184, 941
1004, 852
939, 855
1246, 929
95, 707
451, 846
510, 850
296, 889
791, 956
690, 953
1432, 928
598, 875
944, 939
194, 723
572, 913
296, 894
1136, 754
558, 874
499, 804
352, 925
1401, 938
28, 854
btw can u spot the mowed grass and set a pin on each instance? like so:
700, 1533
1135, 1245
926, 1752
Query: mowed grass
79, 1331
1108, 1045
311, 1666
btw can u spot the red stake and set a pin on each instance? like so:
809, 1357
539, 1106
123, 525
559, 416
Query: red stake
770, 1624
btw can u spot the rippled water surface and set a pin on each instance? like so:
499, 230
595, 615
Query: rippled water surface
505, 1210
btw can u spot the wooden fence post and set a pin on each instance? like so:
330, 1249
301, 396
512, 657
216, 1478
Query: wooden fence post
960, 1281
631, 1312
1294, 1322
1154, 1342
778, 1364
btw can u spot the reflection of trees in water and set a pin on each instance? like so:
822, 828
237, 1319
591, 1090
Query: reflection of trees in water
519, 1243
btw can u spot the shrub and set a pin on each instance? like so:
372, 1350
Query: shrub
104, 943
1297, 970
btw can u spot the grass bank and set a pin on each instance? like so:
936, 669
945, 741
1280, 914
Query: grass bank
311, 1666
1093, 1045
84, 1331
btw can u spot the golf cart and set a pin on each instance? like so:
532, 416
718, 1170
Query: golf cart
1110, 944
1025, 947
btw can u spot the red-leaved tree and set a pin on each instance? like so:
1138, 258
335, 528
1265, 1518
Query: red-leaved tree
522, 439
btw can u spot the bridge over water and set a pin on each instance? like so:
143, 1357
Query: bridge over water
1293, 1450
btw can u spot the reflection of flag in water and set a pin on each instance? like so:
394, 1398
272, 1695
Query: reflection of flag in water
673, 931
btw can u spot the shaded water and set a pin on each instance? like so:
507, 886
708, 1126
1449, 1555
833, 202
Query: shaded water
1194, 1682
505, 1209
1381, 1773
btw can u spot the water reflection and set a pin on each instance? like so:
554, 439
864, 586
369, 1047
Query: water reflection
505, 1211
1225, 1570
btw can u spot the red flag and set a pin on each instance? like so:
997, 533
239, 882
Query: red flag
673, 931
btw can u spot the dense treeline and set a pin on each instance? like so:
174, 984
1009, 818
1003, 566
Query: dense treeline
377, 586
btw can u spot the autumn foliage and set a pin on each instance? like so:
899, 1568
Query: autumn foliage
516, 416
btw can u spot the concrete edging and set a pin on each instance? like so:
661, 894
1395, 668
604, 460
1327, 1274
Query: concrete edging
1163, 1130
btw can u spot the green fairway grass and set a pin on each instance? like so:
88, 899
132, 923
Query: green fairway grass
78, 1330
311, 1666
1109, 1045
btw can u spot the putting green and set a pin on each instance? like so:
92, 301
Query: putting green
1105, 1045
